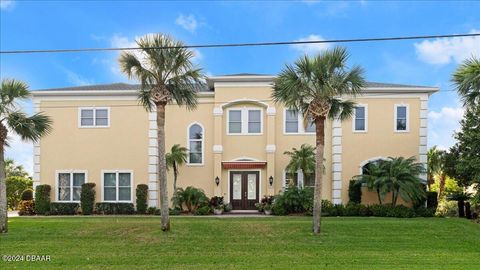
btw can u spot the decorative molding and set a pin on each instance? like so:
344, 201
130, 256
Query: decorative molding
217, 149
217, 111
270, 148
36, 152
245, 100
337, 161
152, 160
423, 131
271, 111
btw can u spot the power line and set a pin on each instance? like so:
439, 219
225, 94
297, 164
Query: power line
243, 44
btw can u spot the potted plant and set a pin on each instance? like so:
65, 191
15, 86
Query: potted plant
216, 203
259, 207
265, 205
267, 209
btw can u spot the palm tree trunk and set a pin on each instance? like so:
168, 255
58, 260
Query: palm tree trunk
379, 197
175, 172
317, 197
162, 167
3, 185
441, 186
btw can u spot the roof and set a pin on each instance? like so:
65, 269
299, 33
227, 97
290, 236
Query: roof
104, 87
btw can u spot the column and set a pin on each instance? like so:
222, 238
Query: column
337, 161
153, 188
270, 150
218, 151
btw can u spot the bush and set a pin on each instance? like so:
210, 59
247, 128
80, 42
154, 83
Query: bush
114, 208
327, 208
142, 196
447, 209
425, 212
293, 200
27, 194
191, 197
216, 202
68, 208
15, 186
26, 208
204, 210
338, 210
354, 192
352, 209
278, 209
151, 210
432, 201
42, 199
227, 207
87, 198
172, 211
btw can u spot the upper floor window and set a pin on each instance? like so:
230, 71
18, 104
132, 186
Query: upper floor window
69, 186
401, 118
117, 186
245, 121
294, 123
360, 121
94, 117
195, 144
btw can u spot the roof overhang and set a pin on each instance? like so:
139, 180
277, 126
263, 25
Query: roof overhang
244, 164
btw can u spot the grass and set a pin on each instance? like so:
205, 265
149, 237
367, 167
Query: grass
243, 243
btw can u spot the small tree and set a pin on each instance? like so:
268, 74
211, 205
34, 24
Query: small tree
142, 196
301, 159
87, 198
42, 199
354, 192
176, 158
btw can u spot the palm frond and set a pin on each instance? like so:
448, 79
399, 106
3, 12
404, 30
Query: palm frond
11, 90
29, 128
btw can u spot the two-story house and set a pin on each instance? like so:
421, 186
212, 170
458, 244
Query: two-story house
236, 139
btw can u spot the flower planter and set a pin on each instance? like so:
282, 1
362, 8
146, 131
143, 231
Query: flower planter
218, 211
267, 212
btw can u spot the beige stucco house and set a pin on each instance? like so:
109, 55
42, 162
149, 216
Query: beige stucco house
236, 137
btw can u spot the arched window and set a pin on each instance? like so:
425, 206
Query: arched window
195, 144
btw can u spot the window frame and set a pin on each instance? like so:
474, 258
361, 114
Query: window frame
407, 118
301, 129
117, 172
188, 145
244, 121
365, 106
57, 185
80, 109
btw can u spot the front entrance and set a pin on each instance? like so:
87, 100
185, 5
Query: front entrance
244, 189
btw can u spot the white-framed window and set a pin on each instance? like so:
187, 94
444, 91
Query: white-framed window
94, 117
195, 133
293, 123
117, 186
360, 118
299, 179
244, 121
69, 185
401, 120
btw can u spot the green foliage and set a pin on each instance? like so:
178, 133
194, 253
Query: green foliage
432, 200
172, 211
151, 210
192, 198
216, 202
327, 208
203, 210
42, 199
142, 196
15, 186
447, 208
26, 208
467, 81
27, 195
227, 207
64, 208
435, 162
12, 169
87, 198
354, 192
451, 186
176, 158
114, 208
294, 200
301, 159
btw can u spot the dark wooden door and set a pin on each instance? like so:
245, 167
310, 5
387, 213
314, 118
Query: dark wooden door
244, 191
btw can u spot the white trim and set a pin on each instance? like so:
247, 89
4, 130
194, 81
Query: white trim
365, 162
300, 128
244, 121
260, 196
244, 159
242, 84
203, 144
103, 172
94, 109
365, 106
337, 161
71, 172
217, 149
407, 106
244, 100
271, 110
270, 148
217, 111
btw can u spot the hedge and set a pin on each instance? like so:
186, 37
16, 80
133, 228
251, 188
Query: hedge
87, 198
142, 196
354, 192
114, 208
42, 199
64, 208
432, 199
27, 194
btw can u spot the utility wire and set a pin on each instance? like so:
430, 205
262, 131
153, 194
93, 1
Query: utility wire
243, 44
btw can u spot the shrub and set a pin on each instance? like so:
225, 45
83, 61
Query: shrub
114, 208
216, 202
278, 209
425, 212
27, 194
352, 209
193, 198
87, 198
172, 211
26, 208
151, 210
68, 208
447, 209
202, 211
338, 210
354, 192
327, 208
15, 186
42, 199
227, 207
142, 196
432, 201
294, 200
378, 210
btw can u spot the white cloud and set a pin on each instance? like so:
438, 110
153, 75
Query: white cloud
75, 78
187, 22
311, 48
442, 125
7, 4
21, 152
443, 51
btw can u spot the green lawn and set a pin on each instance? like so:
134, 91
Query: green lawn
243, 243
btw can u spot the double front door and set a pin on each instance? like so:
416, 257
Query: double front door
244, 189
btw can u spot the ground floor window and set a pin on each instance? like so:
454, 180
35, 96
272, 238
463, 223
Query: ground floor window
70, 186
117, 186
299, 179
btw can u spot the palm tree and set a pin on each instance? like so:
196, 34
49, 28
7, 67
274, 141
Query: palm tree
301, 159
177, 157
371, 177
166, 73
314, 86
29, 128
12, 169
467, 80
433, 165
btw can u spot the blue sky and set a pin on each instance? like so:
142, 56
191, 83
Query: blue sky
75, 24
